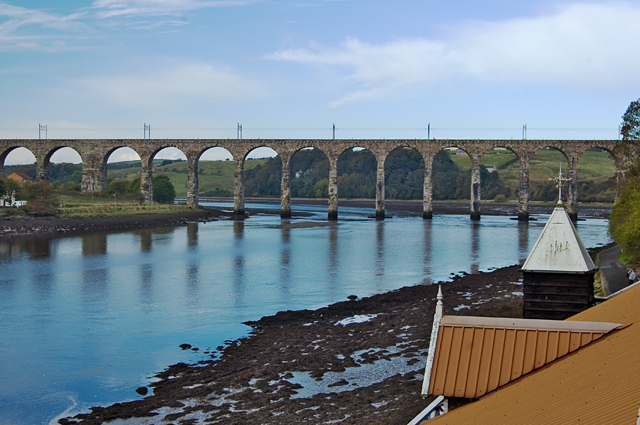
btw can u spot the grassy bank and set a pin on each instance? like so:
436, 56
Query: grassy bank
87, 206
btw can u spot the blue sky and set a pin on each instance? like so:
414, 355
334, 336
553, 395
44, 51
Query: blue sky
291, 69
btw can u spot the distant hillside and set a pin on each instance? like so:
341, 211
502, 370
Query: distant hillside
215, 177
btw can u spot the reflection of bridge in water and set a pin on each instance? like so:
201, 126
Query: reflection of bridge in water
94, 155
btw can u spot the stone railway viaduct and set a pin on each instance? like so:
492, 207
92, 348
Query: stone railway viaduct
95, 152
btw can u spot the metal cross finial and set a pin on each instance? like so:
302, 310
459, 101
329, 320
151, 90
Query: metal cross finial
559, 181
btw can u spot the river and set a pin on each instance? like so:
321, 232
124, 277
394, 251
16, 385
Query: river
86, 320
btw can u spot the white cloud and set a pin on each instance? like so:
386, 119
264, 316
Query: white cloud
20, 16
27, 29
20, 156
580, 45
66, 155
114, 8
170, 153
174, 84
123, 154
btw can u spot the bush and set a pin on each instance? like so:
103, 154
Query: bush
41, 199
35, 190
501, 199
72, 186
40, 207
163, 190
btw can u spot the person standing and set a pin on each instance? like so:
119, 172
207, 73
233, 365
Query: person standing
632, 276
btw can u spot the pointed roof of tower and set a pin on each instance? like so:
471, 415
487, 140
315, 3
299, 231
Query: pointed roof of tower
559, 248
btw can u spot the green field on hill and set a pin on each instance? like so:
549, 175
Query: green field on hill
595, 168
214, 176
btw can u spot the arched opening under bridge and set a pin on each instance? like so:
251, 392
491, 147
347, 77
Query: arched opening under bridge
18, 165
122, 174
500, 175
596, 176
215, 175
167, 182
404, 175
64, 170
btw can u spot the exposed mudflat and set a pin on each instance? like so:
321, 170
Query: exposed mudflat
354, 362
33, 227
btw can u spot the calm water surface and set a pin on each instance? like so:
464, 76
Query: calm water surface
86, 320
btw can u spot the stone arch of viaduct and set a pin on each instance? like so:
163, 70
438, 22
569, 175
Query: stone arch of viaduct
94, 154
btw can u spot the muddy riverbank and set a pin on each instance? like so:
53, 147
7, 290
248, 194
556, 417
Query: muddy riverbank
357, 361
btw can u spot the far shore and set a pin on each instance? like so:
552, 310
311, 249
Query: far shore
15, 227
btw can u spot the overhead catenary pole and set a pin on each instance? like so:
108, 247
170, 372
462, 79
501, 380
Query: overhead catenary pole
429, 131
147, 131
239, 132
619, 131
524, 132
40, 129
334, 131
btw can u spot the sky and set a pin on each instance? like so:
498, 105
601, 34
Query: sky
292, 69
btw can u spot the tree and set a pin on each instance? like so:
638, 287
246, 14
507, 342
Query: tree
163, 190
11, 187
35, 190
40, 196
624, 221
630, 129
119, 187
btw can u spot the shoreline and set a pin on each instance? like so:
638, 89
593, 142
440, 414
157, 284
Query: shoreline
18, 227
352, 361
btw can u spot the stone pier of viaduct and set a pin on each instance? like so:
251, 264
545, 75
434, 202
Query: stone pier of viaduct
95, 152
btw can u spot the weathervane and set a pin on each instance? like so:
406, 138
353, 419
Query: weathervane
559, 181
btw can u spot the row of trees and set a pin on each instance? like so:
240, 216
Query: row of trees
163, 190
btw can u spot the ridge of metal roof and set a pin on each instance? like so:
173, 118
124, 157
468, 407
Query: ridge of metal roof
538, 324
474, 356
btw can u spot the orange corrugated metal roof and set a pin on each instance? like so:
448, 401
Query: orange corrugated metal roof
598, 384
476, 355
